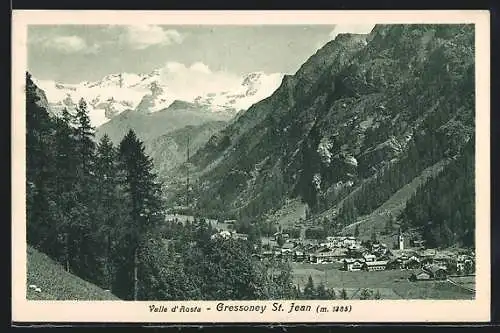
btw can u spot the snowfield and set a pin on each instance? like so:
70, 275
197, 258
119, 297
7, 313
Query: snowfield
156, 90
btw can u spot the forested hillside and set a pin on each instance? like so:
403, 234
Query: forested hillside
443, 209
359, 120
96, 209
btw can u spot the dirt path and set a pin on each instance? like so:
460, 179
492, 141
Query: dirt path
460, 286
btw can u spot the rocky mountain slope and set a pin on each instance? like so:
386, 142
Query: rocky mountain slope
170, 149
149, 126
359, 120
151, 92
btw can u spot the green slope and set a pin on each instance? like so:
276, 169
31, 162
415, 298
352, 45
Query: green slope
57, 284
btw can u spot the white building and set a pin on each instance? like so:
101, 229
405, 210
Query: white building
401, 239
369, 257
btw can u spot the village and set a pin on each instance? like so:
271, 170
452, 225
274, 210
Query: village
349, 253
398, 266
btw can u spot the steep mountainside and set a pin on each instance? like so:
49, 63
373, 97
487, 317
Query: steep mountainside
170, 150
358, 121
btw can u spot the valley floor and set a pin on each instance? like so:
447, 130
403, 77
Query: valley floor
391, 284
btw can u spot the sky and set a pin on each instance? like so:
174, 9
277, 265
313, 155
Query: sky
75, 53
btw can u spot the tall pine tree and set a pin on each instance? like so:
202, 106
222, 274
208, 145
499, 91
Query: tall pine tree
146, 205
112, 212
40, 156
84, 187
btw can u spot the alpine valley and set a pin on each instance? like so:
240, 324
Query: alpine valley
364, 158
363, 124
367, 134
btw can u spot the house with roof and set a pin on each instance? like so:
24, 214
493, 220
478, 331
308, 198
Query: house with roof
222, 234
371, 266
299, 255
436, 272
329, 255
421, 275
267, 254
394, 263
441, 259
411, 263
352, 264
426, 260
429, 253
404, 254
330, 244
323, 254
287, 250
461, 262
240, 236
369, 257
355, 253
355, 247
339, 253
419, 244
349, 241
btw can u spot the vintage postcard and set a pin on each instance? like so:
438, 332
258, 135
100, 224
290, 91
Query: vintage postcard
251, 166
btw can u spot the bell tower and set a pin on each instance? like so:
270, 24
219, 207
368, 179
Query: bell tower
401, 239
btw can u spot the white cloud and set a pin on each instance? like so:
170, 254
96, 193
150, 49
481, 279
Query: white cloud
344, 28
200, 67
196, 79
351, 28
143, 36
218, 88
67, 44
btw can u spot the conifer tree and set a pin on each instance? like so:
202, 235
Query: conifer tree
40, 156
65, 180
356, 231
309, 290
321, 292
112, 210
84, 188
343, 294
365, 294
145, 199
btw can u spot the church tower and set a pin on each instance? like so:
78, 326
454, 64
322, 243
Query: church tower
401, 239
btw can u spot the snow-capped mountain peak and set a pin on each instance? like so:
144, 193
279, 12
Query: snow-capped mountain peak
149, 92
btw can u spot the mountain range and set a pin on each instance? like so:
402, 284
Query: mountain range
362, 120
151, 92
358, 136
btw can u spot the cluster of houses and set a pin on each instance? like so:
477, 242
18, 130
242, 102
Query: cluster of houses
353, 255
225, 234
